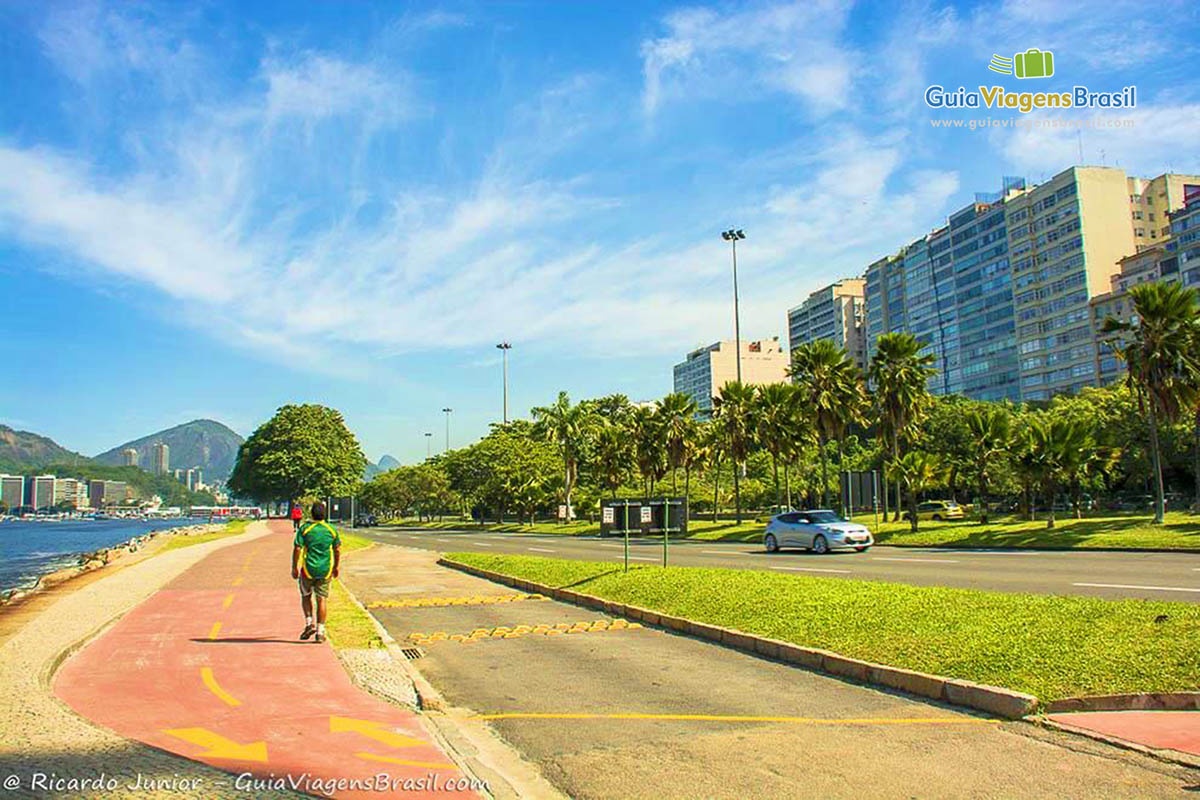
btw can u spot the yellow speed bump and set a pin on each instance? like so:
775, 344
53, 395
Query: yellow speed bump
435, 602
505, 632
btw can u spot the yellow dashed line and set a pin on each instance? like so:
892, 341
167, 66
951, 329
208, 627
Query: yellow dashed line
436, 602
505, 632
214, 630
210, 681
237, 581
228, 601
964, 720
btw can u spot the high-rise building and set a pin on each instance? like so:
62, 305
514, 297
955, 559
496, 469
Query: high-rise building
129, 457
1002, 295
105, 494
192, 479
12, 491
1174, 258
835, 312
72, 492
705, 370
39, 489
162, 458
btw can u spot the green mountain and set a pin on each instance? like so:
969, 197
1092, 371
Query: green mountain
21, 451
202, 443
388, 462
385, 463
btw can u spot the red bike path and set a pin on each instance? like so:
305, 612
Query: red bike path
210, 668
1160, 730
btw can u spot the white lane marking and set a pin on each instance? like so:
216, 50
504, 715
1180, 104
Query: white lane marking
922, 560
442, 540
642, 558
541, 550
481, 544
815, 569
1134, 586
727, 552
612, 545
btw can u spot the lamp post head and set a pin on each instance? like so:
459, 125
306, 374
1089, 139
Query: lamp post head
504, 346
733, 234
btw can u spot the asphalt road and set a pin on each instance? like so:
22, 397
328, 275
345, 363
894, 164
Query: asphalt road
606, 709
1155, 576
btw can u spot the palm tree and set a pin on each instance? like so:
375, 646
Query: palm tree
776, 414
899, 373
1059, 448
1158, 347
733, 411
676, 416
919, 471
568, 427
712, 449
648, 446
614, 456
991, 429
824, 375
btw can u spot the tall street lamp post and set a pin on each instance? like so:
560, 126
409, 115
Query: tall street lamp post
447, 411
732, 235
504, 347
428, 446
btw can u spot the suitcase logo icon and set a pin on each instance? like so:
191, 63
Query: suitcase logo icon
1033, 63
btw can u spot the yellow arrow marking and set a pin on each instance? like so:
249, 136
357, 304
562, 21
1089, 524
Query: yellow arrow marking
228, 601
374, 730
735, 718
214, 630
217, 746
206, 675
403, 763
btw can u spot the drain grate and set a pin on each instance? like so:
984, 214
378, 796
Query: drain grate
412, 653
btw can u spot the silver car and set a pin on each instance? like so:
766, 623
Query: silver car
819, 531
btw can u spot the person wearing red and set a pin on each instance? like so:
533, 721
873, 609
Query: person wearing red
297, 516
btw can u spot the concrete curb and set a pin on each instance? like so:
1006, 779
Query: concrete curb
1152, 701
992, 699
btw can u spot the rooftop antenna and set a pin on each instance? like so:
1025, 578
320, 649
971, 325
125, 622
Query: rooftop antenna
1103, 160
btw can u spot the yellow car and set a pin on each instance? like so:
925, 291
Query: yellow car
938, 510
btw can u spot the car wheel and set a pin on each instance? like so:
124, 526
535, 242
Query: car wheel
936, 517
820, 546
863, 549
771, 543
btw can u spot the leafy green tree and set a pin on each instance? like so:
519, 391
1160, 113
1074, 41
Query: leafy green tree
1158, 348
482, 473
569, 428
777, 412
676, 418
713, 447
302, 451
614, 456
1060, 449
991, 431
825, 378
919, 471
733, 413
899, 374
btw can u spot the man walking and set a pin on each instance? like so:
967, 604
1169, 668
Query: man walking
297, 516
316, 554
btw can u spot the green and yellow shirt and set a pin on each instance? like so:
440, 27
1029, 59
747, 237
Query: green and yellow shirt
317, 540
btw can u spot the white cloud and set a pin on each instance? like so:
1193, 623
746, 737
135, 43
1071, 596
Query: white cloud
791, 48
317, 86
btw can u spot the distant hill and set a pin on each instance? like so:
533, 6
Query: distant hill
385, 463
202, 443
388, 462
22, 450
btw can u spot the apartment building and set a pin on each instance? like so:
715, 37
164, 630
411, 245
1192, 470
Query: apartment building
103, 494
161, 453
12, 491
706, 369
71, 491
1005, 296
836, 312
39, 492
129, 457
1175, 258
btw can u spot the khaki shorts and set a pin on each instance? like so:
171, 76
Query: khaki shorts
310, 585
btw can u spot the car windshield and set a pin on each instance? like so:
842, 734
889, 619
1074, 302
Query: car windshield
823, 517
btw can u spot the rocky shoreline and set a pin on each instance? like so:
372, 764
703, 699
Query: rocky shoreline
98, 559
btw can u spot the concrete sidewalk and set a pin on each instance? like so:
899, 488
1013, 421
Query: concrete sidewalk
606, 711
210, 668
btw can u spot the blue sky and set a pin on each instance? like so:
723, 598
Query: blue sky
211, 209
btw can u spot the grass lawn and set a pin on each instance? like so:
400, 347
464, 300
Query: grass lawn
1052, 647
348, 626
1181, 531
352, 542
232, 528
